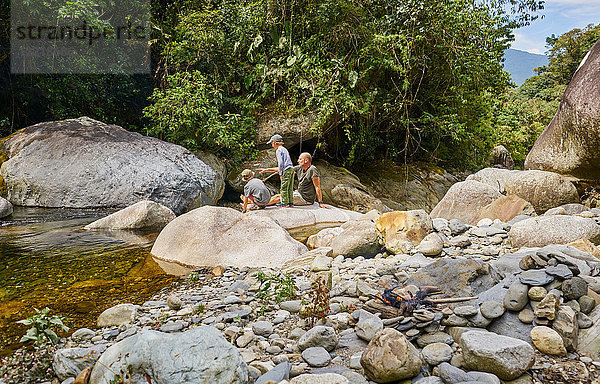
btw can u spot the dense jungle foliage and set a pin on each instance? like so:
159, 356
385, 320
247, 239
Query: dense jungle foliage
396, 80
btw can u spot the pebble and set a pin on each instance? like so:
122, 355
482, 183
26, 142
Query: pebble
466, 310
491, 309
535, 277
262, 328
437, 353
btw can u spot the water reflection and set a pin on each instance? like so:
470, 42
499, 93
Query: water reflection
46, 259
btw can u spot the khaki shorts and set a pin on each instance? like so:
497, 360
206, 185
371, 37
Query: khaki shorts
298, 200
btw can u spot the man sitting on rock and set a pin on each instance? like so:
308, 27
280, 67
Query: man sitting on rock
309, 183
255, 191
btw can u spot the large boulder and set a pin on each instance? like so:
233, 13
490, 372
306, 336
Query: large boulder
358, 238
560, 229
464, 200
145, 214
209, 236
342, 188
68, 362
118, 315
199, 355
84, 163
307, 216
506, 208
544, 190
505, 357
413, 186
390, 357
454, 277
570, 145
293, 130
404, 230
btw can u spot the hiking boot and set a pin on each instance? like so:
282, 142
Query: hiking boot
290, 205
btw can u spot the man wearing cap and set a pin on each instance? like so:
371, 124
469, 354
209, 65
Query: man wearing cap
255, 191
285, 168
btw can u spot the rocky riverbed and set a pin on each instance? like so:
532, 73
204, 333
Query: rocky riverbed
533, 316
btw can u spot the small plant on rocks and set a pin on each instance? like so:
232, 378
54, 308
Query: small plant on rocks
318, 308
278, 287
41, 327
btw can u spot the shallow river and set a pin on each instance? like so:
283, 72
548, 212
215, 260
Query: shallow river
47, 260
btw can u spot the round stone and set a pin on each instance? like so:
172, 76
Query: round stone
586, 304
466, 310
262, 328
537, 293
491, 309
547, 340
516, 297
526, 316
174, 302
437, 353
316, 356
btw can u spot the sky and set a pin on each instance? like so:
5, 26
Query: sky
560, 16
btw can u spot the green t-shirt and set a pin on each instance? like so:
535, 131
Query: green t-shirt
306, 188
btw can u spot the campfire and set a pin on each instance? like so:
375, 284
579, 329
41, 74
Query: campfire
399, 301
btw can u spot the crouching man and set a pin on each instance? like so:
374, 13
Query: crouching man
255, 192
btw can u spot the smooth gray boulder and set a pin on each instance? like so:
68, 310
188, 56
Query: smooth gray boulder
544, 190
570, 144
84, 163
464, 200
358, 238
199, 355
117, 315
210, 236
545, 230
142, 215
6, 208
319, 336
506, 357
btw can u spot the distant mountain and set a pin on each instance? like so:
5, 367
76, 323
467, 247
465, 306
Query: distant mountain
520, 64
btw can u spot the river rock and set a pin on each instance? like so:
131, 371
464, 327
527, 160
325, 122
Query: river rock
431, 245
211, 236
506, 208
319, 336
574, 288
142, 215
199, 355
390, 357
491, 309
117, 315
548, 307
84, 163
437, 353
455, 277
68, 362
368, 325
561, 271
567, 326
6, 208
535, 277
316, 356
506, 357
404, 230
570, 143
293, 129
547, 340
279, 373
544, 230
516, 296
586, 246
323, 238
323, 378
464, 200
358, 238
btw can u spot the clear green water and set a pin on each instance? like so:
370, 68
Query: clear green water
47, 260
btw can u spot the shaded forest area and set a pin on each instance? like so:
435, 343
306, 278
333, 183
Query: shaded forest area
397, 81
